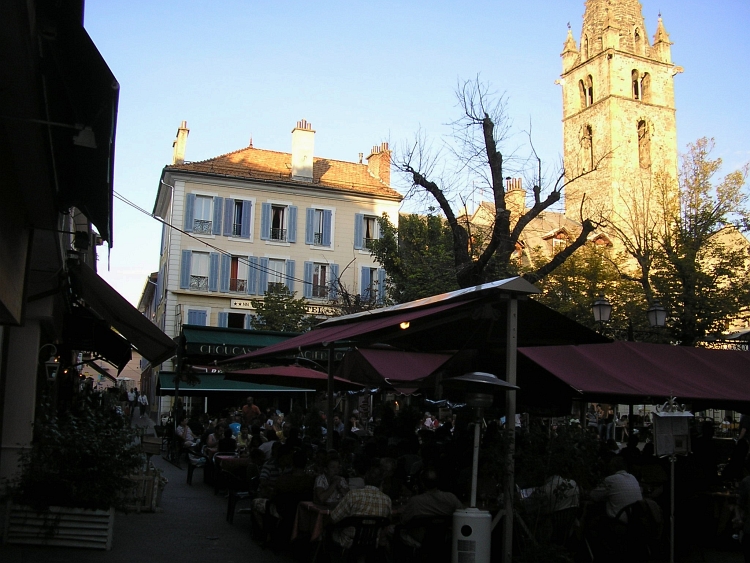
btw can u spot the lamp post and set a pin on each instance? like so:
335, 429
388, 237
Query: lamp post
601, 308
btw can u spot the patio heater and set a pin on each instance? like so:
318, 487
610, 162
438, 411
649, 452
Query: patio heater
472, 527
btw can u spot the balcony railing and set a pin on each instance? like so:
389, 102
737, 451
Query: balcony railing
320, 291
199, 283
237, 229
368, 243
278, 234
318, 238
239, 286
202, 227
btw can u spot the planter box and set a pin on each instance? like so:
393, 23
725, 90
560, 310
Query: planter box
59, 526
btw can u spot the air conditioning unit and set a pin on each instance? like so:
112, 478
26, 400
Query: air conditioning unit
472, 531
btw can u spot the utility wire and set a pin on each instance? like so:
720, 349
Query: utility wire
240, 259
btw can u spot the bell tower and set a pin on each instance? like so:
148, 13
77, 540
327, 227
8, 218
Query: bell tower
618, 110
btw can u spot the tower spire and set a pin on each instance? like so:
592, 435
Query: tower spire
662, 45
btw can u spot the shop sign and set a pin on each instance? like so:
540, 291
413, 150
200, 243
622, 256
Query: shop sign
241, 304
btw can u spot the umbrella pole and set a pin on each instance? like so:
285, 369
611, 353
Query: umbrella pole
510, 428
329, 411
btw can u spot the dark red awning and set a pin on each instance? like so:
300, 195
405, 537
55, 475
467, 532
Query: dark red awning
343, 332
639, 370
395, 367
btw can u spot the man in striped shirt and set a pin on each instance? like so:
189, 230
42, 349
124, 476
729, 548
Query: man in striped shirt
361, 502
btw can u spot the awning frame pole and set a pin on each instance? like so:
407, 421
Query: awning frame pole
329, 410
510, 427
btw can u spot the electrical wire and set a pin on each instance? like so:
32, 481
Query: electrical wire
240, 259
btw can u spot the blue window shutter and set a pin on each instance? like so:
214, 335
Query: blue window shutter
327, 218
228, 216
307, 286
191, 317
226, 265
187, 258
290, 275
213, 272
196, 317
218, 205
365, 284
291, 232
263, 276
189, 213
359, 231
252, 275
247, 207
309, 218
381, 286
223, 319
333, 281
248, 322
265, 221
202, 318
163, 235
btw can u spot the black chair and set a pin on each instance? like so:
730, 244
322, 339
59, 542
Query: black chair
365, 542
239, 489
196, 460
424, 539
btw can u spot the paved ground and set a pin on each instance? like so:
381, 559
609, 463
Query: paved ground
193, 529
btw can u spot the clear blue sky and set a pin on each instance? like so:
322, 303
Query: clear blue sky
367, 72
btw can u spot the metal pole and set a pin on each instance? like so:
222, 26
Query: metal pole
672, 459
329, 410
510, 428
475, 461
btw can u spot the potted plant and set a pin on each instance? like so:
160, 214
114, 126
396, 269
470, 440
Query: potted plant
75, 475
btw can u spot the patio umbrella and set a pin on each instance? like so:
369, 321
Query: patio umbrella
292, 376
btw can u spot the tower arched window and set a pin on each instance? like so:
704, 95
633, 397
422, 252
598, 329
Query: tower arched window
589, 90
582, 92
646, 87
585, 47
587, 149
635, 80
644, 145
637, 42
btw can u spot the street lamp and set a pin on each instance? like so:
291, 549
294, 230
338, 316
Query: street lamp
657, 314
602, 309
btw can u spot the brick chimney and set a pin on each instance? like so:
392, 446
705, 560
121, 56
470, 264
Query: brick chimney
178, 146
303, 142
379, 163
515, 198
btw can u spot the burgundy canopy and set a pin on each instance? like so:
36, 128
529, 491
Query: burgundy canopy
292, 376
374, 366
642, 371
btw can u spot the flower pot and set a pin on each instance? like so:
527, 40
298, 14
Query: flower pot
59, 526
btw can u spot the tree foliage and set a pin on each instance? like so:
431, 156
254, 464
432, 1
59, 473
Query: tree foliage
280, 311
480, 161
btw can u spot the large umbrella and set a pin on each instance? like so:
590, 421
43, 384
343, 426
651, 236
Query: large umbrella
292, 376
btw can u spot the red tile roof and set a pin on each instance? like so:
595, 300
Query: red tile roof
265, 165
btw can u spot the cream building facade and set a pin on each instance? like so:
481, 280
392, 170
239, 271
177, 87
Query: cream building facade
251, 218
618, 112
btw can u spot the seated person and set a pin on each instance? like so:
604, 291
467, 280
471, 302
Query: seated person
330, 486
227, 443
243, 439
184, 433
433, 502
212, 440
618, 490
361, 502
556, 494
293, 486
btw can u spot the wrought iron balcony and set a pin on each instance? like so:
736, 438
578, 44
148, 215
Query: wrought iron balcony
199, 283
278, 234
239, 286
202, 227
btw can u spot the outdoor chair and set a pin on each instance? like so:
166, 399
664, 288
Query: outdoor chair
435, 545
365, 543
196, 460
238, 490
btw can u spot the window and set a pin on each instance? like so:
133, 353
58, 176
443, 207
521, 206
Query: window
199, 271
318, 227
203, 214
644, 145
237, 218
586, 47
365, 231
233, 320
272, 271
373, 284
321, 281
587, 149
589, 90
238, 274
646, 87
278, 222
637, 42
635, 80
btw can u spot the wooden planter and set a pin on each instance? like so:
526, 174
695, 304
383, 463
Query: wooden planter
59, 526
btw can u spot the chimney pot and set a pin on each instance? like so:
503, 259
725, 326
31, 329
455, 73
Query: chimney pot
303, 143
178, 146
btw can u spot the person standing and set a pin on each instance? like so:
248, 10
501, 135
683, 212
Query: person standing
131, 402
143, 404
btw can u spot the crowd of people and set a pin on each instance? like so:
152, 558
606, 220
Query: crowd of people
418, 465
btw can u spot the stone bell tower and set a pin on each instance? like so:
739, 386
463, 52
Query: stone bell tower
618, 110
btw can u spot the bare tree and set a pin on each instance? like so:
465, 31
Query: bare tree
479, 132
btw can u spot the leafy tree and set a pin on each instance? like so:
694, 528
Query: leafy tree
480, 161
280, 311
702, 269
418, 256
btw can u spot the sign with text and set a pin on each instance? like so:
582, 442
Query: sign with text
241, 304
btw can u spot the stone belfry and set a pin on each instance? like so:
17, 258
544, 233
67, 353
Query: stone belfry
618, 110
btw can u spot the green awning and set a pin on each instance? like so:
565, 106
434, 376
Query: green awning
213, 382
228, 342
